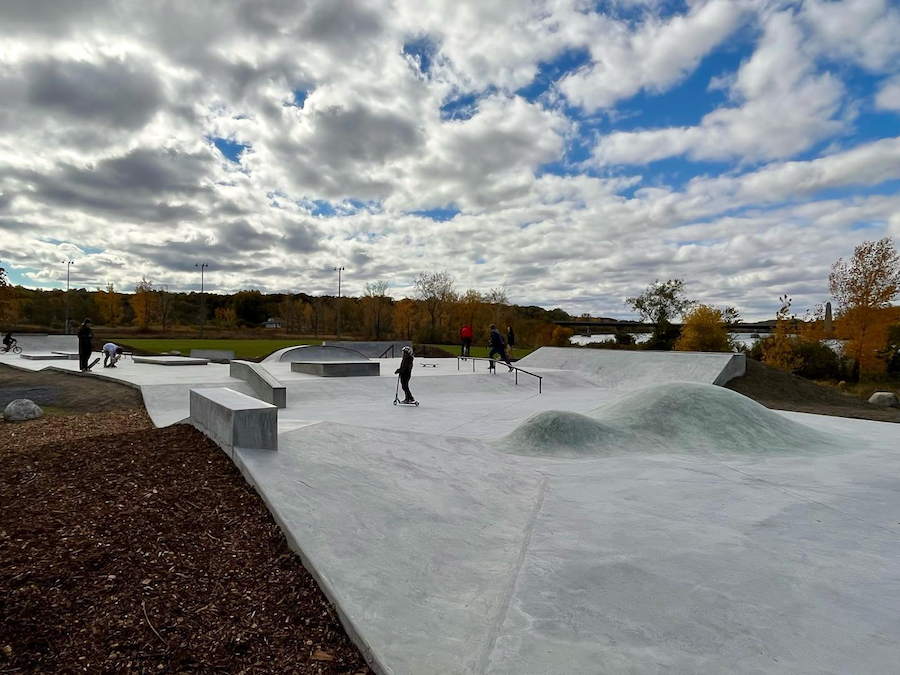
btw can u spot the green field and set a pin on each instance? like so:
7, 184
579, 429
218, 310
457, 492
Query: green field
251, 349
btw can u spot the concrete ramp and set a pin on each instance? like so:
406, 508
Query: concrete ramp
315, 353
46, 343
374, 349
621, 369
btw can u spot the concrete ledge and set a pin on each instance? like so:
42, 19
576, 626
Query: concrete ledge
338, 368
232, 419
213, 354
264, 384
35, 356
72, 356
170, 360
736, 367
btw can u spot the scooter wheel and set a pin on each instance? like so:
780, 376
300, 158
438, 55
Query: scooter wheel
417, 404
395, 401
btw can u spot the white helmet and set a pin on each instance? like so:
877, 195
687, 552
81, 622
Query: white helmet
407, 349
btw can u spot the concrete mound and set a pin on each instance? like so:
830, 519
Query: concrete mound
561, 433
678, 417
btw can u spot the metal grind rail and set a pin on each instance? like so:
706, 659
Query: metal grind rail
493, 368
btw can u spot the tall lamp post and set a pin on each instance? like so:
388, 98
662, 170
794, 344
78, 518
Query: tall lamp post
339, 270
68, 264
202, 267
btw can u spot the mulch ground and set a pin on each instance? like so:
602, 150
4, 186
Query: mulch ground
783, 391
125, 548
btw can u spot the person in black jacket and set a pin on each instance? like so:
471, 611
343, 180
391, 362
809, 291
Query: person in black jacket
85, 344
511, 340
405, 372
498, 346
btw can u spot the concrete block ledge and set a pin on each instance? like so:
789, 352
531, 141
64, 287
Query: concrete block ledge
232, 419
338, 368
213, 354
263, 383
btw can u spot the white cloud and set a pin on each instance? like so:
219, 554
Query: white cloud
107, 111
654, 57
784, 106
888, 97
865, 31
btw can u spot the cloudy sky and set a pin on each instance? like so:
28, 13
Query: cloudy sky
576, 150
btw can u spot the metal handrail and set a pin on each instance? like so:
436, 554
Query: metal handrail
493, 365
384, 354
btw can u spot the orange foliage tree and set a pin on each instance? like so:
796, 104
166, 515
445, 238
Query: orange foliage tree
863, 288
704, 330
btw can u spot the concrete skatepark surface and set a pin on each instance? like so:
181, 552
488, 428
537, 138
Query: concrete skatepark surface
717, 537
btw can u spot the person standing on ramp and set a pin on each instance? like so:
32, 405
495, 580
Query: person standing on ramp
405, 372
498, 347
85, 344
511, 341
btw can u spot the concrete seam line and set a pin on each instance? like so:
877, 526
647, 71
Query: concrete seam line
814, 501
484, 661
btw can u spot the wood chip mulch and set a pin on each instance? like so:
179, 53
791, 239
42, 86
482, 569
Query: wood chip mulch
125, 548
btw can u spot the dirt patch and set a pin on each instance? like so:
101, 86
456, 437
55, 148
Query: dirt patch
125, 548
779, 390
70, 392
432, 352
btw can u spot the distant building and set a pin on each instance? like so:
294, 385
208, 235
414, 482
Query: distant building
274, 323
829, 322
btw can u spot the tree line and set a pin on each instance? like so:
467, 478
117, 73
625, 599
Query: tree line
433, 316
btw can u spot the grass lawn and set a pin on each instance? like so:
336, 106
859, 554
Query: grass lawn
251, 349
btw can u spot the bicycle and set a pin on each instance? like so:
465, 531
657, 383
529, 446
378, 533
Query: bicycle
14, 348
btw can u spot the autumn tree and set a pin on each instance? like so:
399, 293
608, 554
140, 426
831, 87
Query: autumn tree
434, 289
163, 305
705, 329
863, 289
226, 317
659, 304
376, 306
143, 302
109, 304
8, 308
779, 349
405, 318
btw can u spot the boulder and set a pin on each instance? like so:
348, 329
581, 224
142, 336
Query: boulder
22, 409
175, 352
886, 399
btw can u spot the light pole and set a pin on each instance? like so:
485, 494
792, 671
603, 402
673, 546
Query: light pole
339, 270
202, 267
68, 264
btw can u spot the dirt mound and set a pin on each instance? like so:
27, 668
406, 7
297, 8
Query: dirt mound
779, 390
66, 392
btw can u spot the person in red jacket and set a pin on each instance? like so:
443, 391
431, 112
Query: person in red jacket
466, 335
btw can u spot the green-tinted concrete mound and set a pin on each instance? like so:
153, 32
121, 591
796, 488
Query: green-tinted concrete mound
679, 417
560, 433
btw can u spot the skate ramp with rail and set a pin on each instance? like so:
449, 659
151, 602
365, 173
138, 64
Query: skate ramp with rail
679, 418
626, 369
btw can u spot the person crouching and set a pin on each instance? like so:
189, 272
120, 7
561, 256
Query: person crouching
111, 354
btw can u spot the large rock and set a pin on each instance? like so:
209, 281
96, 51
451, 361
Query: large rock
22, 409
888, 399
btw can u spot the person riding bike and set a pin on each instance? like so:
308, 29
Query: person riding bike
8, 342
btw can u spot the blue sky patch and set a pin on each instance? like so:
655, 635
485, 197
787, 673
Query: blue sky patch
422, 51
440, 215
230, 149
